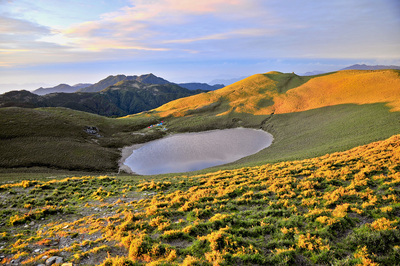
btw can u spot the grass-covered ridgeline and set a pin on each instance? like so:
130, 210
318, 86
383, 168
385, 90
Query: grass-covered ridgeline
281, 93
338, 209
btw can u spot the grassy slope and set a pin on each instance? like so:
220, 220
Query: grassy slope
310, 133
287, 93
343, 87
338, 209
248, 95
328, 129
55, 138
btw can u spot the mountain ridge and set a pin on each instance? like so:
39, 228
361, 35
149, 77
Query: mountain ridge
370, 67
126, 97
113, 79
61, 88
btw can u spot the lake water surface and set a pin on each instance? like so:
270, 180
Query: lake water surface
195, 151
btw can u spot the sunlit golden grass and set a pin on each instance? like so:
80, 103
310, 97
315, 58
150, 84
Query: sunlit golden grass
351, 86
342, 209
242, 96
263, 94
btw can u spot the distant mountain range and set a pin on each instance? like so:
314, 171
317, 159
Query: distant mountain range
312, 73
353, 67
123, 98
112, 80
61, 88
226, 82
367, 67
201, 86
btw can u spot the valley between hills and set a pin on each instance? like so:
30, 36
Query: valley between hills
325, 192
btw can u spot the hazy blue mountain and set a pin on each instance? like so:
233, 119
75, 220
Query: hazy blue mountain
226, 82
61, 88
312, 73
201, 86
368, 67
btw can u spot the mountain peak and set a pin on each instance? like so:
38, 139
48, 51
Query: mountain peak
152, 79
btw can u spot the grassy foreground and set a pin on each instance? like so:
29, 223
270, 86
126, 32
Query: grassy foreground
340, 209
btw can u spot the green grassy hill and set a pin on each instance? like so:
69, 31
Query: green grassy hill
58, 138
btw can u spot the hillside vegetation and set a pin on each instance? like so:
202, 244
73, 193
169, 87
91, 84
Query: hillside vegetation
60, 138
276, 92
338, 209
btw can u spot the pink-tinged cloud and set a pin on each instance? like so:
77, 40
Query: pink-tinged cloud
136, 26
201, 7
10, 51
227, 35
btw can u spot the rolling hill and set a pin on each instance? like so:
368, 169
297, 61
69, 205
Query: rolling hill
276, 92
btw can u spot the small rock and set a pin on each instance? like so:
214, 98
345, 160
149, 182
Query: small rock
32, 223
37, 250
65, 227
16, 261
41, 264
26, 226
54, 259
45, 257
51, 260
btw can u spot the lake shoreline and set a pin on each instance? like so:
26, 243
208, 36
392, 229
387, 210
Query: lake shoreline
232, 151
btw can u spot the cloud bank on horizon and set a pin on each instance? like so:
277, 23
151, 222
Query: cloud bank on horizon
50, 40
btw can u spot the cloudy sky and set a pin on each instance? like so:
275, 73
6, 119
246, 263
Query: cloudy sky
58, 41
